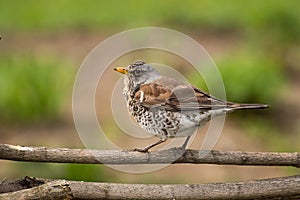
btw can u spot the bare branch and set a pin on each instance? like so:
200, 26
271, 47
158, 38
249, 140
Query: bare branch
275, 188
58, 189
174, 155
27, 188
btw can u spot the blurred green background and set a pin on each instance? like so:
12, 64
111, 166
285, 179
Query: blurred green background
255, 44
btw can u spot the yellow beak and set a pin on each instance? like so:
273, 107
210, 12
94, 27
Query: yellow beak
121, 70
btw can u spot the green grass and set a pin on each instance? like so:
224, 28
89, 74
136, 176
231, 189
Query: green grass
270, 136
248, 77
78, 172
33, 89
264, 17
82, 172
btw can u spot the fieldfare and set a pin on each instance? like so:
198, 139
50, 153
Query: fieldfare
166, 108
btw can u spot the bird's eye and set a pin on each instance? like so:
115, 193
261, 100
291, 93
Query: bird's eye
149, 69
138, 72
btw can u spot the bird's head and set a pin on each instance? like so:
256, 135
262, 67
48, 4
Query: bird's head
138, 73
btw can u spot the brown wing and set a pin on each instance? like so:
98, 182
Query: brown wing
176, 97
152, 94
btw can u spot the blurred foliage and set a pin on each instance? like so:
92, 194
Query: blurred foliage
33, 89
36, 88
82, 172
63, 171
269, 135
275, 24
260, 17
270, 25
49, 170
248, 77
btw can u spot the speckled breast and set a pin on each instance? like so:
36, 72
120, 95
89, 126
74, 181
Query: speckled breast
155, 120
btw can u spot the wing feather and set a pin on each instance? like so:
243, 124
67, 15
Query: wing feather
177, 97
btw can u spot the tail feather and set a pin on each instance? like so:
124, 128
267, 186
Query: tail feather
236, 106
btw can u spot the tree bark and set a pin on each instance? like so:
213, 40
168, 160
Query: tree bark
275, 188
174, 155
57, 189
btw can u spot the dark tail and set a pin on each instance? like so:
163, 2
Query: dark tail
236, 106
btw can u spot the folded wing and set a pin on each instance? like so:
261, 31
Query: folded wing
177, 97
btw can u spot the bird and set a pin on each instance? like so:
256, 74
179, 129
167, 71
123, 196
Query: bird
167, 108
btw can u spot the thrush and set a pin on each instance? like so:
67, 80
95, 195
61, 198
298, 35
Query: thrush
166, 108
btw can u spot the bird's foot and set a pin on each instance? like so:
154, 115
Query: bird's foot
142, 150
145, 149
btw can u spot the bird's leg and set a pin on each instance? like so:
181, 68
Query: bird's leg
185, 143
145, 149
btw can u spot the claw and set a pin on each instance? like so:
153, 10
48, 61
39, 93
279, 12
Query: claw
145, 149
142, 150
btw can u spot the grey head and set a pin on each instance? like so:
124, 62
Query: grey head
137, 74
141, 73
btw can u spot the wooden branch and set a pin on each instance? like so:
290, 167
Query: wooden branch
275, 188
174, 155
57, 189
